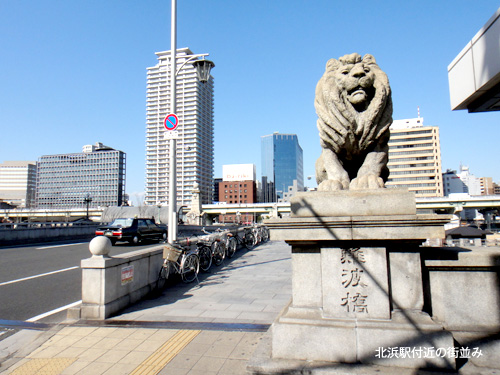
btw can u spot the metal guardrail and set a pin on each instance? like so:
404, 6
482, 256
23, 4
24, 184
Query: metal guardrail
28, 233
20, 226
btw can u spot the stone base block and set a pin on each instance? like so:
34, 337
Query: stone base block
409, 339
379, 202
487, 344
74, 313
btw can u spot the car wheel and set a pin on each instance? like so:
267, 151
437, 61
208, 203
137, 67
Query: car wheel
135, 240
164, 236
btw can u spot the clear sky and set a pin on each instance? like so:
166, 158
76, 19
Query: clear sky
74, 72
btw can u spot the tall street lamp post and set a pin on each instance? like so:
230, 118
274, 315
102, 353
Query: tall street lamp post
87, 201
172, 223
203, 68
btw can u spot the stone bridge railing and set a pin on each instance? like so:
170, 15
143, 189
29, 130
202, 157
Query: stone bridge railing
109, 284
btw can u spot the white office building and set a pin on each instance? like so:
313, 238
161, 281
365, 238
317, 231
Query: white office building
18, 183
463, 182
95, 177
195, 146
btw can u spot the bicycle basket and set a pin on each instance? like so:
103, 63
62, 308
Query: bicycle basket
171, 253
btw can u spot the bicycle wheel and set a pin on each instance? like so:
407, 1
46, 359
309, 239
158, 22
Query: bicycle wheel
205, 255
219, 253
265, 234
231, 247
250, 241
163, 276
190, 267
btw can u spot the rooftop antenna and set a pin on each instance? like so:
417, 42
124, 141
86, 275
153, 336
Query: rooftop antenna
418, 112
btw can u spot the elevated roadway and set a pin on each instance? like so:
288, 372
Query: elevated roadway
448, 204
451, 204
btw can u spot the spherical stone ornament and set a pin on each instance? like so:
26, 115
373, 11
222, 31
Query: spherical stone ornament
100, 245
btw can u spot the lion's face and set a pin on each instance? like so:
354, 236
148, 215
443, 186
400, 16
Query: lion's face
356, 81
353, 97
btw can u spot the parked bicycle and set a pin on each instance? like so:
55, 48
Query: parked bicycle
231, 244
210, 250
247, 239
218, 245
178, 260
204, 252
262, 233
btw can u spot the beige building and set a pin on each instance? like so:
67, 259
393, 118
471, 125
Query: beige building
415, 158
487, 187
18, 183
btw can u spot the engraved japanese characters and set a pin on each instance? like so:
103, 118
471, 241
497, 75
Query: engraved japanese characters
354, 107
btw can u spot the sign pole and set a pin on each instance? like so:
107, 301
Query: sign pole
172, 193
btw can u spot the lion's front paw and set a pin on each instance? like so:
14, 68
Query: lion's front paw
332, 185
369, 181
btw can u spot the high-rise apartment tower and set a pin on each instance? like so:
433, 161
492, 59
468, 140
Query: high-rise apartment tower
415, 158
195, 147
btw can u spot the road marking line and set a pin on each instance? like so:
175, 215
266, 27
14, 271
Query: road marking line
159, 359
53, 246
34, 277
44, 315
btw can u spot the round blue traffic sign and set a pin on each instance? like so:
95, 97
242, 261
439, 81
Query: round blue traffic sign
171, 121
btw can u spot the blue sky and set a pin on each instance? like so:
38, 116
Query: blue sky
74, 72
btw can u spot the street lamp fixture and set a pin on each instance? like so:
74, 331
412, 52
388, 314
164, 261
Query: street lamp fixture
87, 201
203, 68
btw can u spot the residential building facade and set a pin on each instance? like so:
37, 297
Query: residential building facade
238, 186
195, 146
415, 158
282, 163
18, 183
97, 175
487, 186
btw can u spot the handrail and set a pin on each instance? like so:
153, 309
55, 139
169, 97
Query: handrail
41, 225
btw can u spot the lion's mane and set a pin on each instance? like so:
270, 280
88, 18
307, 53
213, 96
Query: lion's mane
341, 126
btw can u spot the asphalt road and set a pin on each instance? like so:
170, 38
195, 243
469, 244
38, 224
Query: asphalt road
40, 279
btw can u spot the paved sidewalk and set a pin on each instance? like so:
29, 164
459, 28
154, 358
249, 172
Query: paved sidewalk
208, 328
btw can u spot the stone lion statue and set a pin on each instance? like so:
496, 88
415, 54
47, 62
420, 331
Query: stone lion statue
354, 107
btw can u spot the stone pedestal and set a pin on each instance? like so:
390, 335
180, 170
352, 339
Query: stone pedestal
357, 281
194, 216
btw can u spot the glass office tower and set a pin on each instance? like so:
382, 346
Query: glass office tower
281, 158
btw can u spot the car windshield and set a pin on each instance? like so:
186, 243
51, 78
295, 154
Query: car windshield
122, 223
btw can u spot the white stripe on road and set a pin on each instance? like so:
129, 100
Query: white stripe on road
34, 277
50, 247
55, 311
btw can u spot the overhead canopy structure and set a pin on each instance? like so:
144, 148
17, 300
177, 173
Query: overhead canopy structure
474, 75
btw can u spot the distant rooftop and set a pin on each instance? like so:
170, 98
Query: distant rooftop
408, 123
